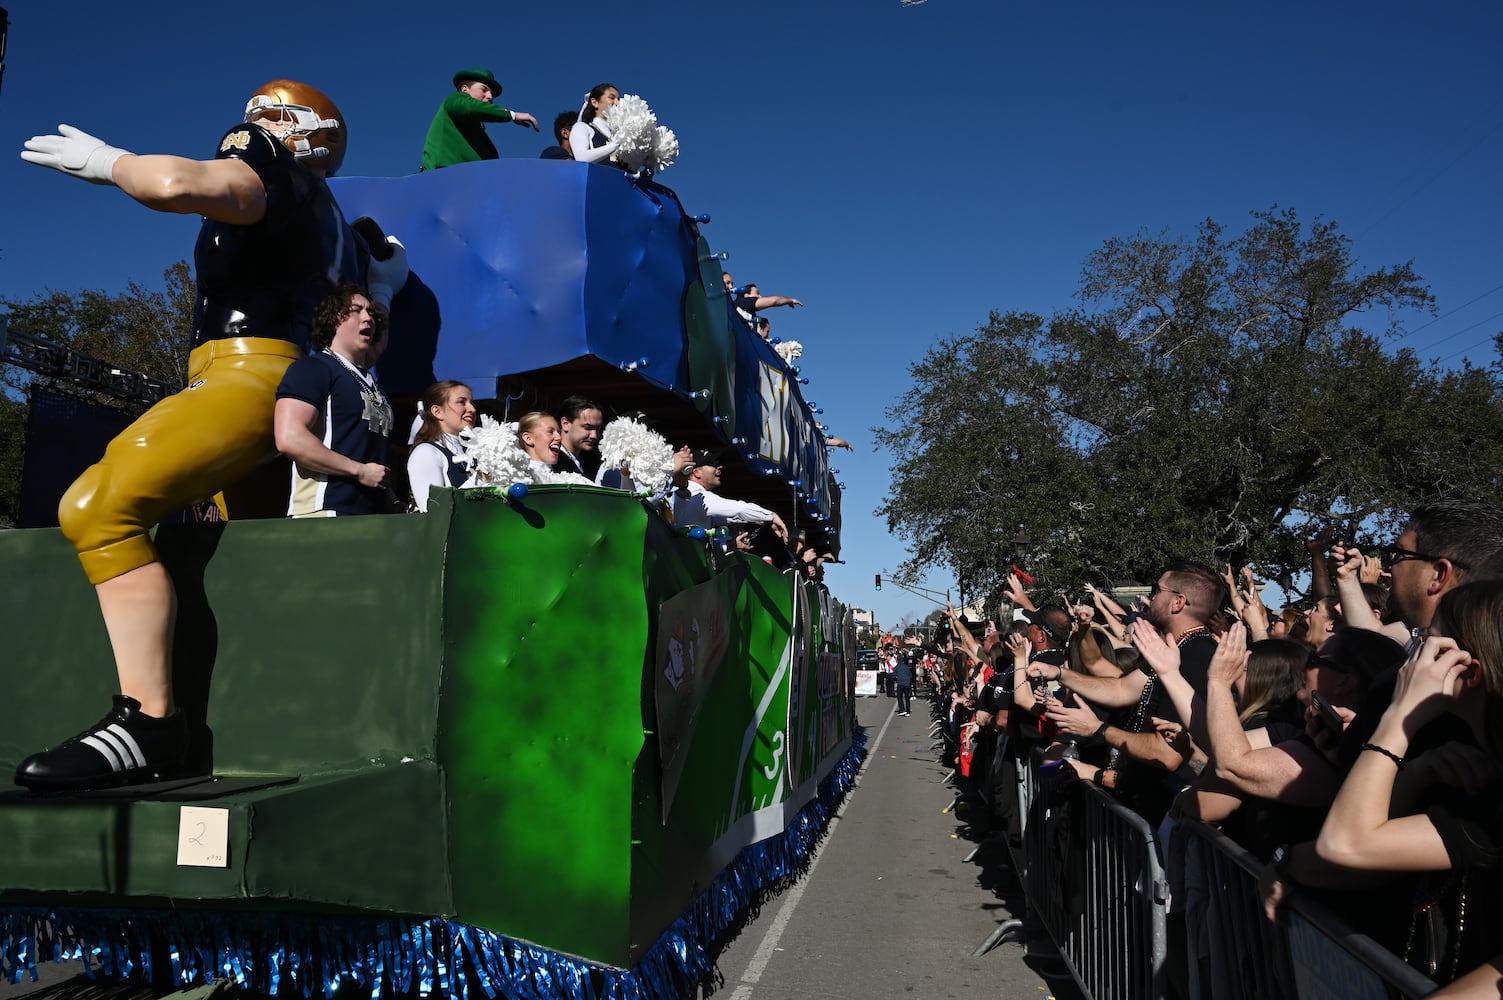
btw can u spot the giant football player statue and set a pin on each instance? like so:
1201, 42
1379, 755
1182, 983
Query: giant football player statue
272, 239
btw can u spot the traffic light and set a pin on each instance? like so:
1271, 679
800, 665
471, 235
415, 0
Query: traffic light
879, 581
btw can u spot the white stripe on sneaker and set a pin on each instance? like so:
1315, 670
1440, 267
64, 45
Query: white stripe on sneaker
105, 750
129, 741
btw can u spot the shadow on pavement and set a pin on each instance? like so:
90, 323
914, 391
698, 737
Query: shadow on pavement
994, 873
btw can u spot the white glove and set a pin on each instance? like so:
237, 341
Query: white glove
385, 278
76, 152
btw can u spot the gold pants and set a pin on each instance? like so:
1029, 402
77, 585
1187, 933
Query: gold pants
190, 446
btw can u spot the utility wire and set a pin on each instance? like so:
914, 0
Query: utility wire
1449, 312
1432, 179
1468, 350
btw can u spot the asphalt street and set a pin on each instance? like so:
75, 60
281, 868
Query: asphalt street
890, 907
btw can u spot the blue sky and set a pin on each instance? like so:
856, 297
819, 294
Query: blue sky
903, 171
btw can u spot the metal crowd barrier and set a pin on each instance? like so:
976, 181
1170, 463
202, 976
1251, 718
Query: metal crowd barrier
1093, 878
1237, 954
1091, 871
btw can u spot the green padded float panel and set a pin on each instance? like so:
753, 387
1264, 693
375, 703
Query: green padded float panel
552, 734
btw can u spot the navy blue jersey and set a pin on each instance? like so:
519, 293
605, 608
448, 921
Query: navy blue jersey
355, 420
264, 279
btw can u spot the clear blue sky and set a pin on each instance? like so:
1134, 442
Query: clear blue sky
901, 170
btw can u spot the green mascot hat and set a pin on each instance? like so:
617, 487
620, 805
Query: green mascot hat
480, 76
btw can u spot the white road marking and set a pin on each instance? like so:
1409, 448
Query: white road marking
764, 952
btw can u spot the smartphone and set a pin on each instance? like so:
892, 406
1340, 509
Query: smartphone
1329, 715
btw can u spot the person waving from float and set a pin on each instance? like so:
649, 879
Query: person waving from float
457, 133
271, 239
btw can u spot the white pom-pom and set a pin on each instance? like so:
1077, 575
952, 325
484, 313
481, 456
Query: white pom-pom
790, 350
497, 454
640, 140
633, 126
665, 148
563, 477
632, 445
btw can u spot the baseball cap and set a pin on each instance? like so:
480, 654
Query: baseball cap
1036, 618
707, 456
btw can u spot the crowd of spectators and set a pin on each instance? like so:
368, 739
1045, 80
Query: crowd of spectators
1355, 746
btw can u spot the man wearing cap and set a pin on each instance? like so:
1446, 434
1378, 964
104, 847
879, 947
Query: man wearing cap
696, 503
457, 134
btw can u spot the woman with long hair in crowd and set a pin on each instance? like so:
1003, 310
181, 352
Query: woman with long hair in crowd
590, 138
1456, 837
1269, 691
540, 438
438, 456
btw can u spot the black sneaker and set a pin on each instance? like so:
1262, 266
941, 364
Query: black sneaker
125, 747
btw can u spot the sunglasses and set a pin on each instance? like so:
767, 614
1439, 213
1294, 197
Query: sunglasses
1397, 554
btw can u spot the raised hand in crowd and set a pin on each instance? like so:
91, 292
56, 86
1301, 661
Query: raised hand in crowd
1327, 737
1024, 694
1253, 611
1428, 683
1229, 664
1073, 721
1350, 564
1082, 616
962, 634
1160, 654
1353, 571
1174, 734
1229, 578
1358, 832
1111, 612
1044, 672
1017, 595
1320, 570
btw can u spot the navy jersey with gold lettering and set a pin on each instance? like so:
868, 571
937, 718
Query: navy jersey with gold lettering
354, 420
264, 279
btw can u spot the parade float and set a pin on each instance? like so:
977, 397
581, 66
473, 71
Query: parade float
533, 743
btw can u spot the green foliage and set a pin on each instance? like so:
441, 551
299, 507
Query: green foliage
1211, 398
139, 330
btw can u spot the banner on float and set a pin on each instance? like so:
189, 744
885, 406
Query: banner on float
815, 714
784, 701
866, 683
692, 640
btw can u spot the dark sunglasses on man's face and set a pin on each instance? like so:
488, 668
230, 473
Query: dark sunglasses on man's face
1397, 554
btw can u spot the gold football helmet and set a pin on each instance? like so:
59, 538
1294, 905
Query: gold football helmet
304, 118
